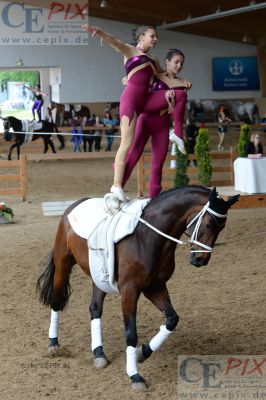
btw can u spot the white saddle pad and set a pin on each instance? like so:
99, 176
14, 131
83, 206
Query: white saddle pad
36, 126
26, 127
90, 221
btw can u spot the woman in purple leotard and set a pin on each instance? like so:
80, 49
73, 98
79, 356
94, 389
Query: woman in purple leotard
140, 69
171, 90
38, 100
156, 125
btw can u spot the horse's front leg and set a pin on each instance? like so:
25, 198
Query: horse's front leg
129, 299
160, 298
9, 157
50, 142
96, 310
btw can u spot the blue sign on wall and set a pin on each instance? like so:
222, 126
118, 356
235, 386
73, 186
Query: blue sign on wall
235, 73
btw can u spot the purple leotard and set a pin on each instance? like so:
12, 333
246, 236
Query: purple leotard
157, 102
155, 126
37, 105
136, 92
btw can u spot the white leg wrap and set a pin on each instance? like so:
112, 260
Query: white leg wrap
160, 338
132, 365
96, 333
53, 330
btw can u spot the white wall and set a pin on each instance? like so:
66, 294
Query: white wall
93, 73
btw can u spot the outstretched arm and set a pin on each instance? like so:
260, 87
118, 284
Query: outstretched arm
28, 87
123, 48
44, 94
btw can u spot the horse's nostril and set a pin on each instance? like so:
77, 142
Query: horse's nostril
197, 261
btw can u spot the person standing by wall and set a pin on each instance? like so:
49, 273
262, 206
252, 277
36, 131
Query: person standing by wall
76, 135
109, 121
98, 133
191, 134
222, 129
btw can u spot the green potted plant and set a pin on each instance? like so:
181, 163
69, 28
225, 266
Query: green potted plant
202, 152
181, 178
243, 140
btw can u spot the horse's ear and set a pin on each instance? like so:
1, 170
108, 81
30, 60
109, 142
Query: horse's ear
213, 194
232, 200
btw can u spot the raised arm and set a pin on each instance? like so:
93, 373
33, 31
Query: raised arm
123, 48
28, 87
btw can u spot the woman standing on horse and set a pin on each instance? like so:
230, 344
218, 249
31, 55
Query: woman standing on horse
156, 124
140, 67
38, 100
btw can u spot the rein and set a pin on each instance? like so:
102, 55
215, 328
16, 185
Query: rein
194, 235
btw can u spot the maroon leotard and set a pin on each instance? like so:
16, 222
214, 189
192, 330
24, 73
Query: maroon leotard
136, 92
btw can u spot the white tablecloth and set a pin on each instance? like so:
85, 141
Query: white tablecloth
250, 175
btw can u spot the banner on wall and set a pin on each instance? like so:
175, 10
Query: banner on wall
235, 73
59, 23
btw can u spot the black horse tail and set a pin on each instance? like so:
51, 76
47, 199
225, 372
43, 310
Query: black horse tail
46, 289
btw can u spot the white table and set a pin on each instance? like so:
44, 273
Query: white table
250, 175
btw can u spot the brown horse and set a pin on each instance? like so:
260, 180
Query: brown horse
144, 262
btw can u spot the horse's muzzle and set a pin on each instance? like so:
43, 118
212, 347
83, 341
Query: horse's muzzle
199, 261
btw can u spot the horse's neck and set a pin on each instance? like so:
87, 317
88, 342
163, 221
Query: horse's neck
16, 125
173, 215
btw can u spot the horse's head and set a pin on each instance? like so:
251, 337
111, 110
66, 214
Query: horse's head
205, 226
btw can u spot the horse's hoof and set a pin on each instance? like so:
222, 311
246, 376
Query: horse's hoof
100, 362
54, 350
140, 358
139, 386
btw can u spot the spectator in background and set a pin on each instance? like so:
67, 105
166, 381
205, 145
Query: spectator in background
198, 111
263, 121
110, 122
254, 146
95, 136
76, 135
222, 129
97, 133
191, 134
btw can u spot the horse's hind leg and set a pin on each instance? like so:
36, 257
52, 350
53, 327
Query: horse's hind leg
53, 347
160, 298
96, 310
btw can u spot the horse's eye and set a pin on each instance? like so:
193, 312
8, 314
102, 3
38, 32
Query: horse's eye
208, 226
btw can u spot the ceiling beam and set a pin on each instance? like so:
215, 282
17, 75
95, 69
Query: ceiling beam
216, 15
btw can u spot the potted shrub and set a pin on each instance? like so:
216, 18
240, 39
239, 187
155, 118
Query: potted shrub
202, 152
243, 140
181, 178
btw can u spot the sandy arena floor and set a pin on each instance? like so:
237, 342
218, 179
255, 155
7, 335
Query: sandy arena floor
221, 306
